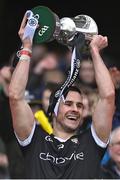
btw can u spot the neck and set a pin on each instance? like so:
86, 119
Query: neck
60, 132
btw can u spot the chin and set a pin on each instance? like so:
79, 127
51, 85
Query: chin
71, 129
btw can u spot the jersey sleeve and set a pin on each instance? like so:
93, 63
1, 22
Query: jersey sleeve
28, 140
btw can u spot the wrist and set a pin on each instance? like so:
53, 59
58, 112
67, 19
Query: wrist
26, 52
27, 47
94, 49
24, 57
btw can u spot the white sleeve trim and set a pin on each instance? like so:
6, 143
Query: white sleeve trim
28, 140
98, 141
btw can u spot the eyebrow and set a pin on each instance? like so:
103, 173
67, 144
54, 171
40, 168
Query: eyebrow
70, 101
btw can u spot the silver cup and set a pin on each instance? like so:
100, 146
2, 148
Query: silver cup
69, 27
86, 25
67, 30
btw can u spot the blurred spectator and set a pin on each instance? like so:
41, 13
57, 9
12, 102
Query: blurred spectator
86, 110
93, 98
86, 74
112, 169
46, 60
5, 77
39, 51
48, 89
87, 118
54, 76
16, 165
6, 130
34, 103
4, 164
115, 74
114, 69
90, 100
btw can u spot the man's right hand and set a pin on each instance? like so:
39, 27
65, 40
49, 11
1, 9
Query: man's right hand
26, 42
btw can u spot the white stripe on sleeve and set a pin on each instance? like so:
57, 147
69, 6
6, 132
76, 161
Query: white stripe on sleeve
98, 141
28, 140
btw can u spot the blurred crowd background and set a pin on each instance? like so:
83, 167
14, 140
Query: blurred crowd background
43, 80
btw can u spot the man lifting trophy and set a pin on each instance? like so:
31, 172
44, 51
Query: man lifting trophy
66, 152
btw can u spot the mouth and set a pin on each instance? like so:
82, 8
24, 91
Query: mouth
72, 117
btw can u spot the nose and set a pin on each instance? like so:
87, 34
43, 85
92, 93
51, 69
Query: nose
75, 108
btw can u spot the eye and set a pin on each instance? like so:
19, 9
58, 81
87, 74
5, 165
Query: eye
80, 105
68, 103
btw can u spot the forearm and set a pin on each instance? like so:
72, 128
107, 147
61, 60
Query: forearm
19, 80
102, 76
103, 115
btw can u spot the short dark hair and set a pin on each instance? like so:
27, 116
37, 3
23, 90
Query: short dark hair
72, 88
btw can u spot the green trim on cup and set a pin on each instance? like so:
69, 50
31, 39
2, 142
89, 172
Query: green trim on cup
47, 24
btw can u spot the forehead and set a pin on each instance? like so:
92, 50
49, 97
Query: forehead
74, 96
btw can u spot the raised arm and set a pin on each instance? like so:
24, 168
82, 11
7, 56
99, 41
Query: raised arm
22, 115
103, 115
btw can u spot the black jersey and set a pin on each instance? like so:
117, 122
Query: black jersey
48, 158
